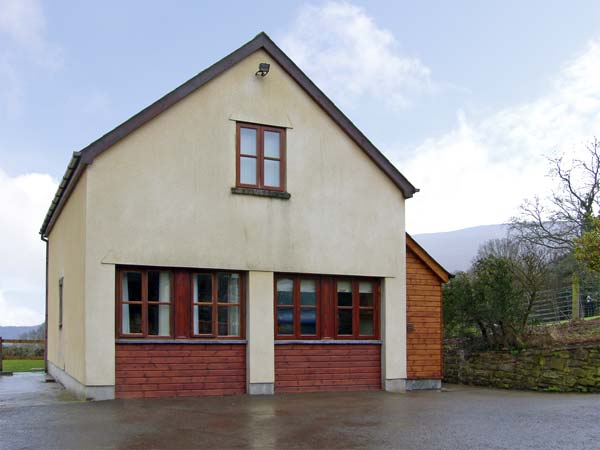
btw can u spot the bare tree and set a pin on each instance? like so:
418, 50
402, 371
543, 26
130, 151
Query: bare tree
569, 211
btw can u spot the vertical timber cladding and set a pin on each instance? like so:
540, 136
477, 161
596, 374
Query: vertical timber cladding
179, 370
424, 319
327, 367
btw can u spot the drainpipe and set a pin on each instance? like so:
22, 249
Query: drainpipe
45, 239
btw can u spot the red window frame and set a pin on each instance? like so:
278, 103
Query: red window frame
356, 308
327, 307
181, 305
144, 302
260, 156
215, 304
297, 307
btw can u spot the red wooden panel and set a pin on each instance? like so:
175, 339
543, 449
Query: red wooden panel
326, 307
183, 295
327, 367
179, 370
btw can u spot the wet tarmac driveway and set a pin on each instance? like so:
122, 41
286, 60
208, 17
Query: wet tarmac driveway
457, 418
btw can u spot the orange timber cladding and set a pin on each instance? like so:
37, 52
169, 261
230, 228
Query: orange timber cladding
424, 319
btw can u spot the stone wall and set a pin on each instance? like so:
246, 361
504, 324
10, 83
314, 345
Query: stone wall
567, 369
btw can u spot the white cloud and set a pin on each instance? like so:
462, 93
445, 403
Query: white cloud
351, 57
25, 200
23, 47
14, 313
481, 171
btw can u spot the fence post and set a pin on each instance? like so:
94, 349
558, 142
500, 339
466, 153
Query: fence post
1, 355
576, 311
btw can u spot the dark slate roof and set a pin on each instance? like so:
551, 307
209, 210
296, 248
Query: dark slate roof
86, 156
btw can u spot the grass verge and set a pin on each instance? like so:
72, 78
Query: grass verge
21, 365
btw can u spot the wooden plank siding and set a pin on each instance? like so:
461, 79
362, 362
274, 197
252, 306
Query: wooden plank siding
179, 370
327, 367
424, 319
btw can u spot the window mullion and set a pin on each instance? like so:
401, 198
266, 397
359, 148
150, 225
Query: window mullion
317, 303
144, 299
334, 296
172, 305
296, 314
260, 156
215, 305
355, 309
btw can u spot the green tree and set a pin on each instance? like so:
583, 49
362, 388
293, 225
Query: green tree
531, 266
487, 299
458, 301
587, 247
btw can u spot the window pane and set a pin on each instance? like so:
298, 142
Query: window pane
132, 286
308, 321
285, 321
159, 323
345, 321
229, 321
308, 292
366, 322
247, 141
272, 173
131, 318
285, 291
228, 287
365, 293
344, 293
159, 286
202, 287
247, 170
271, 144
202, 319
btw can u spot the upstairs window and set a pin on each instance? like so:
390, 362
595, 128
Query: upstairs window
260, 157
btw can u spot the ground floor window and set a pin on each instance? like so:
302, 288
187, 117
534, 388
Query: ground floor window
297, 308
145, 302
167, 303
216, 304
321, 307
355, 308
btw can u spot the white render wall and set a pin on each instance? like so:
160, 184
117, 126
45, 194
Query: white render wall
162, 197
260, 328
66, 259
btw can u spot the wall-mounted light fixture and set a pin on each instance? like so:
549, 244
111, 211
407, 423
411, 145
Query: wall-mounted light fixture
263, 70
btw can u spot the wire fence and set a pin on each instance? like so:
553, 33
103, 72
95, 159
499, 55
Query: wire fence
555, 305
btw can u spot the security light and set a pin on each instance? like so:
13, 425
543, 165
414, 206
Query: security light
263, 69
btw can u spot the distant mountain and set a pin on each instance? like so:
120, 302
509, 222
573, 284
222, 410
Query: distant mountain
455, 250
15, 332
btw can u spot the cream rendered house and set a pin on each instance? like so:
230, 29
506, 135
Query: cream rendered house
240, 235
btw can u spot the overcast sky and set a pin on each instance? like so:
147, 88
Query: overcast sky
465, 98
